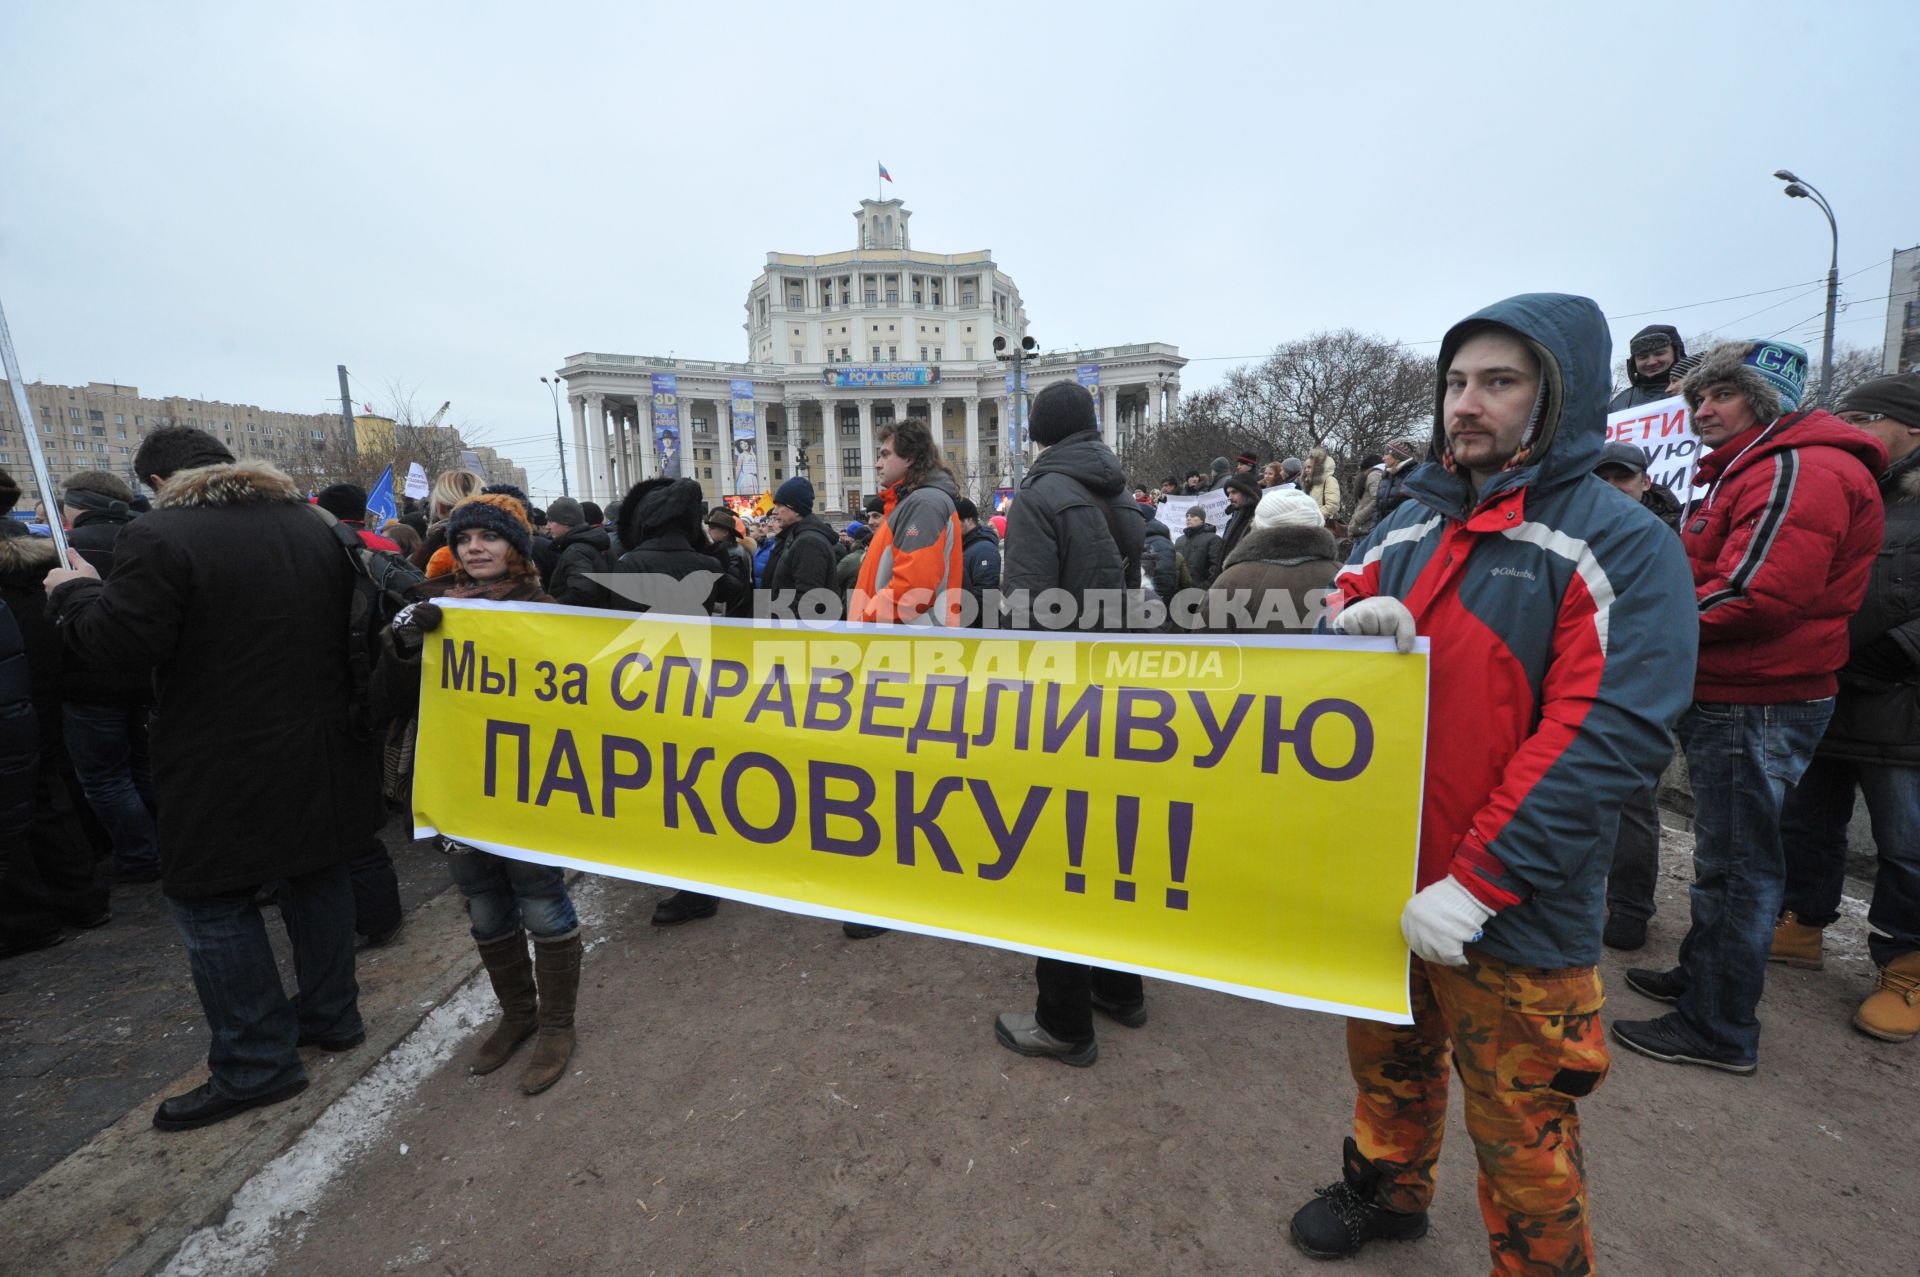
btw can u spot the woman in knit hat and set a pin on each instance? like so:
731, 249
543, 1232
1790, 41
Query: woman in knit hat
1276, 580
491, 540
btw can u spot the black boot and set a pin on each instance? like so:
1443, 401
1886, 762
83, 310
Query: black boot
1346, 1216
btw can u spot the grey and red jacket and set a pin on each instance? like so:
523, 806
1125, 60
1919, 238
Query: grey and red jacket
1781, 548
1562, 649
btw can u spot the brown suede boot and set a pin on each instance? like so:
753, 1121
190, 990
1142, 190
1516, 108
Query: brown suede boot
512, 976
557, 969
1797, 944
1892, 1011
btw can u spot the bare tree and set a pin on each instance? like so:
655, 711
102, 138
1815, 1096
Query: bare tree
1852, 366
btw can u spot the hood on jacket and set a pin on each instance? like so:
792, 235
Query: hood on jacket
1154, 527
655, 507
225, 484
1658, 382
595, 537
1568, 335
979, 532
1288, 544
939, 480
1083, 457
24, 560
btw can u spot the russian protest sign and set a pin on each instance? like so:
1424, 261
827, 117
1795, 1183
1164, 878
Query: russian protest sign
1173, 511
1664, 431
1240, 814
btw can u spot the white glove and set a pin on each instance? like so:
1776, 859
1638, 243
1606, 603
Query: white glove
1380, 616
1441, 921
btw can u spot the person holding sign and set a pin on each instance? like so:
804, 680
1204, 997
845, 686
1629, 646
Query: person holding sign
1651, 356
1782, 548
1548, 604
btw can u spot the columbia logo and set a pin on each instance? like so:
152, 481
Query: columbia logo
1522, 573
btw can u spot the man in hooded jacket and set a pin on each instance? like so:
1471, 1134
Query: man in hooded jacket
1548, 599
1072, 530
1650, 360
913, 573
581, 553
800, 569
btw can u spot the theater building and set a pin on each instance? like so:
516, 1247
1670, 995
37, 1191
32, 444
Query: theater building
838, 344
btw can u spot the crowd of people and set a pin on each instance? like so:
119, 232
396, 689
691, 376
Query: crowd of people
1581, 621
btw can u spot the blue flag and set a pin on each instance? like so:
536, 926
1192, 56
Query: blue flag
380, 502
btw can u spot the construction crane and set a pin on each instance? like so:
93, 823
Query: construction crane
434, 420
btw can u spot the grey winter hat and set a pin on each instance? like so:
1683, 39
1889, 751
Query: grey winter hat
567, 513
1619, 453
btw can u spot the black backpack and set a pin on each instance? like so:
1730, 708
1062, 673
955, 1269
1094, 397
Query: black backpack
383, 583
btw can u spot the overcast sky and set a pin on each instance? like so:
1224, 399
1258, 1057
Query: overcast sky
229, 199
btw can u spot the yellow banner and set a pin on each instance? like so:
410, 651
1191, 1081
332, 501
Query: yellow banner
1240, 814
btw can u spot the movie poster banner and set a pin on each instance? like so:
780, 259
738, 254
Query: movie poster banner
746, 458
666, 425
1084, 799
1089, 376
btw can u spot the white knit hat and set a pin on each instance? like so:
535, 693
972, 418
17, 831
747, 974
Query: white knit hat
1287, 507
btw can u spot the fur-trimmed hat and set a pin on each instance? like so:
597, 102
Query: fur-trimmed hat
496, 512
1771, 374
661, 505
97, 490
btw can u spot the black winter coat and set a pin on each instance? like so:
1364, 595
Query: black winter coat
1876, 717
1239, 519
803, 559
236, 597
19, 734
1073, 526
94, 533
671, 555
980, 565
579, 554
24, 564
1159, 561
1203, 551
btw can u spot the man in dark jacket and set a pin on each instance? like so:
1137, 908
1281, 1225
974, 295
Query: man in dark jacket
1781, 549
96, 504
1624, 465
1220, 472
723, 529
672, 569
1871, 746
1159, 561
237, 598
1072, 530
580, 554
1558, 670
1402, 459
802, 561
347, 502
979, 556
1650, 360
1200, 546
1243, 494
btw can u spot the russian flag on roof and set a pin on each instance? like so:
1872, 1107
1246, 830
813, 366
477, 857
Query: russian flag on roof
885, 174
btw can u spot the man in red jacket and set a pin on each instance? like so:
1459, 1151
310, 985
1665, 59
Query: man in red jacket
1781, 549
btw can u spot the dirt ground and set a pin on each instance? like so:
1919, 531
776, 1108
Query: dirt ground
756, 1094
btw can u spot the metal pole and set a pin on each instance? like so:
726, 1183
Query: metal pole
553, 389
346, 411
49, 500
1017, 443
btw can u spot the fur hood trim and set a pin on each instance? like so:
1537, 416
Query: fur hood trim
1727, 362
26, 557
226, 484
1909, 484
1288, 541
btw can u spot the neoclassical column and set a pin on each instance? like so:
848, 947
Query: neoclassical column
581, 465
723, 433
1110, 415
866, 448
1173, 400
970, 446
901, 408
616, 450
686, 435
795, 410
594, 448
829, 453
638, 461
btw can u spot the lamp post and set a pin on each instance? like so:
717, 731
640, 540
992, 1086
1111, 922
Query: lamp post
1017, 355
553, 388
1800, 188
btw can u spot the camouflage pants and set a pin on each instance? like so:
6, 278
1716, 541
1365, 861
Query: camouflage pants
1528, 1044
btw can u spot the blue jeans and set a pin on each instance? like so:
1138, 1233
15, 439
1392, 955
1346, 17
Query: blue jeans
255, 1027
108, 746
1742, 760
505, 895
1813, 826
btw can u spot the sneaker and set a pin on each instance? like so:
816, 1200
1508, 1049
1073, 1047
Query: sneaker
1345, 1216
684, 906
1661, 986
1796, 944
1131, 1014
1667, 1039
861, 931
1624, 933
1021, 1033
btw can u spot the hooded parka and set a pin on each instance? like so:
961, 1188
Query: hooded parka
1073, 526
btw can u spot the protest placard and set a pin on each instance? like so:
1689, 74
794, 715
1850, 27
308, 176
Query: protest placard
1664, 431
1101, 800
1173, 511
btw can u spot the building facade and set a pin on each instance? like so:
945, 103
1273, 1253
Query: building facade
1901, 351
837, 345
99, 426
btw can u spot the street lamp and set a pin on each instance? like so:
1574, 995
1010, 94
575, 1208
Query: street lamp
553, 388
1017, 356
1800, 188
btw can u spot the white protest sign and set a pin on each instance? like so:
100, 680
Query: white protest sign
1664, 431
416, 481
1173, 511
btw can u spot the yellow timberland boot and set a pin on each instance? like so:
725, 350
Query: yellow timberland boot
1892, 1011
1796, 944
